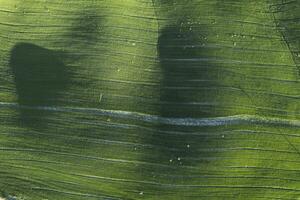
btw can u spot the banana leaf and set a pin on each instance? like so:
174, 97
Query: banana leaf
161, 99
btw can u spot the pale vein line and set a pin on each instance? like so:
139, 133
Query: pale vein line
216, 121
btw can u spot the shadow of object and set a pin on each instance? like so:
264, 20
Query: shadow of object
187, 72
189, 77
185, 92
40, 78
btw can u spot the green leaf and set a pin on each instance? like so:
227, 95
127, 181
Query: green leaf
128, 99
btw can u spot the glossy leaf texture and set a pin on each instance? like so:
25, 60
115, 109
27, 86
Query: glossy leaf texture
161, 99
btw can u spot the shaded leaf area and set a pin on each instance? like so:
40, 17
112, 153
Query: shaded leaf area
40, 78
181, 90
149, 100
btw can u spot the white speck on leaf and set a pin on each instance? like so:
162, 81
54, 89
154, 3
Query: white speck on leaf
100, 97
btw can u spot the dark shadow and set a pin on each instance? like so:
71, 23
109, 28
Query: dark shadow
189, 77
186, 90
57, 78
184, 61
40, 78
42, 82
187, 73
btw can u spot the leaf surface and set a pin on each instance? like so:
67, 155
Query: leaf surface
130, 99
